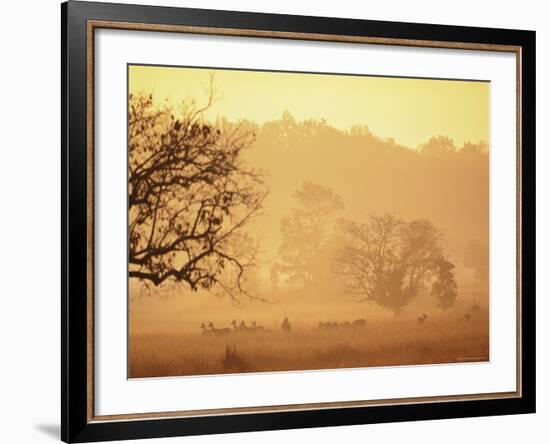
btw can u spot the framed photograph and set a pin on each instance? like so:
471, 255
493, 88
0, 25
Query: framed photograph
275, 221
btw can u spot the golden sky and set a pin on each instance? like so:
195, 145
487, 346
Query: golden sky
407, 110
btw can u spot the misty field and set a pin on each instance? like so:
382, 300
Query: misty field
313, 203
307, 347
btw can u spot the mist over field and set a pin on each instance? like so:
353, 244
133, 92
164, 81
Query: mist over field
292, 244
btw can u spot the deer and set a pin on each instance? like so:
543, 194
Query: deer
235, 325
285, 326
324, 325
205, 330
257, 327
243, 327
218, 331
421, 319
359, 323
467, 317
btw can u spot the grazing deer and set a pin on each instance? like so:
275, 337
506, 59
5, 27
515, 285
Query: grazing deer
218, 331
422, 319
285, 326
257, 327
205, 331
243, 327
467, 317
359, 323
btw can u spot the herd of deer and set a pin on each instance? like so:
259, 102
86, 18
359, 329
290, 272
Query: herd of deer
239, 327
423, 317
358, 323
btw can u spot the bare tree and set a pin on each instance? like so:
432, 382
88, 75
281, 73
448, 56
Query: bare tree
304, 233
387, 261
190, 196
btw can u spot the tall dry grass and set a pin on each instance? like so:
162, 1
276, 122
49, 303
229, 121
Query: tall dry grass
380, 343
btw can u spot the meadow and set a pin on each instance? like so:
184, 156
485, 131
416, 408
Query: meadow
446, 339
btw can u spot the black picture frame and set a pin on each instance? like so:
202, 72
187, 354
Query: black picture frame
76, 423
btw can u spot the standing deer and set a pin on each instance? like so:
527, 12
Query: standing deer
205, 331
285, 326
243, 327
422, 319
359, 323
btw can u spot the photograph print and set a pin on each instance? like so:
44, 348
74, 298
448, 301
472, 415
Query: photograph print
290, 221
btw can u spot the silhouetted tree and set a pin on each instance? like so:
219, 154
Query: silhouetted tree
387, 261
304, 233
288, 133
438, 146
444, 285
475, 148
189, 198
